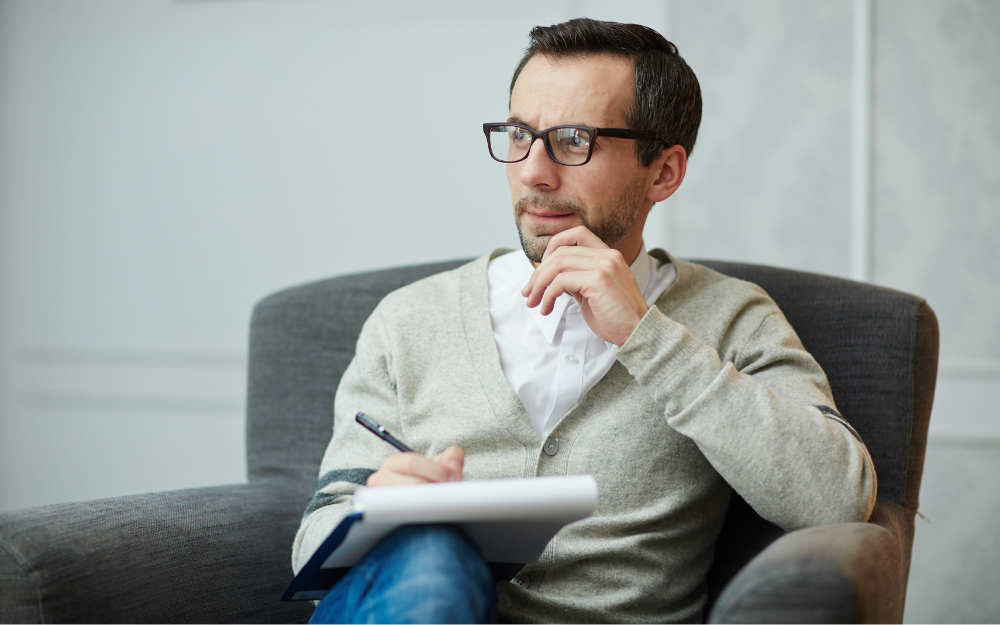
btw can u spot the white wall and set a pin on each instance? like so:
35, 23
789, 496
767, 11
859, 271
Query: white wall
165, 164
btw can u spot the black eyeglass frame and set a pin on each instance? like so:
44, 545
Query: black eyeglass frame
618, 133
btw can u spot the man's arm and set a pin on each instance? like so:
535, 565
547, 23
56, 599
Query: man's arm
351, 458
353, 453
766, 422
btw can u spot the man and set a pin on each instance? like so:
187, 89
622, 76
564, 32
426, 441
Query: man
669, 383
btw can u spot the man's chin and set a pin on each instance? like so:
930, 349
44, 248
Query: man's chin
534, 247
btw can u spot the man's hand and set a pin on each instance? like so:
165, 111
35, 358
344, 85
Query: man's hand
413, 468
577, 262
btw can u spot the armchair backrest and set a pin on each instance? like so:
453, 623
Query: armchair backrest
878, 347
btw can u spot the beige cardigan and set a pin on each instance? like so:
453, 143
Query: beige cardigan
713, 390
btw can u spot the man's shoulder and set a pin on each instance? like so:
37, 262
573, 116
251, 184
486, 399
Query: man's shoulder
726, 313
698, 285
441, 291
721, 310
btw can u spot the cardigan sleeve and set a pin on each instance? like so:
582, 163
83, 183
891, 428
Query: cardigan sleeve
764, 417
368, 385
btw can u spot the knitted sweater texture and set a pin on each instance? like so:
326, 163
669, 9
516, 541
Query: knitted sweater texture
712, 392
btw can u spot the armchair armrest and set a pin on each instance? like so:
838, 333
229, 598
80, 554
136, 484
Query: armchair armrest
216, 554
840, 573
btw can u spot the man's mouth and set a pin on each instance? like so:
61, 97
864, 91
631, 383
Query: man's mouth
547, 216
547, 224
542, 216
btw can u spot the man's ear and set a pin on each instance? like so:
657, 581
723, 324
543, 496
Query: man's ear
666, 173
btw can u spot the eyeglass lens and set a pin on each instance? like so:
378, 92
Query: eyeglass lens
570, 146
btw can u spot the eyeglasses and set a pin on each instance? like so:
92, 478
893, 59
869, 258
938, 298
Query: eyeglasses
566, 145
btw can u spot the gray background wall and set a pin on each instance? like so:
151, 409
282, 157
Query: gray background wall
164, 164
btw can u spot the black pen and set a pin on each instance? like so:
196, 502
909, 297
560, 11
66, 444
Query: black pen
380, 431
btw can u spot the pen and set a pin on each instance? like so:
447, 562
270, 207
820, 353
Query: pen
380, 431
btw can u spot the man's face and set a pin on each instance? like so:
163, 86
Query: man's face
608, 194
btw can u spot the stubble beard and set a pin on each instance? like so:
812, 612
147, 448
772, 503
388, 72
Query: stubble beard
616, 222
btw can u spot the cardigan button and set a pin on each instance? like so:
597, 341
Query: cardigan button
503, 599
551, 446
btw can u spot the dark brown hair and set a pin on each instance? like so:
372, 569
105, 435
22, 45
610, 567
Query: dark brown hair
667, 95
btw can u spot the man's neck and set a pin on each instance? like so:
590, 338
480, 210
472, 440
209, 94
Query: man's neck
630, 245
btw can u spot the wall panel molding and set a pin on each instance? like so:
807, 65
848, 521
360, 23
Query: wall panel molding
975, 442
37, 355
862, 113
89, 402
969, 368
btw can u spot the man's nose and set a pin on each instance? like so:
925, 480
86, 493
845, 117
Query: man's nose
538, 170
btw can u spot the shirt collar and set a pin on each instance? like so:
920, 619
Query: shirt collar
548, 325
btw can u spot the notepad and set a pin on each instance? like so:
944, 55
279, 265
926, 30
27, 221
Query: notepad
510, 520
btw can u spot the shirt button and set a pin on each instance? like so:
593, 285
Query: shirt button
551, 446
571, 359
521, 580
504, 600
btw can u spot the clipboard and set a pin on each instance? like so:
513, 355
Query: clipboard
510, 520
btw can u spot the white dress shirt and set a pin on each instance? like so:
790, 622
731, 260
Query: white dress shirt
551, 362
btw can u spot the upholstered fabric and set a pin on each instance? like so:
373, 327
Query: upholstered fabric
200, 555
221, 554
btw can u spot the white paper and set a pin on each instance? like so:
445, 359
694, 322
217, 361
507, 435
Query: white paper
510, 520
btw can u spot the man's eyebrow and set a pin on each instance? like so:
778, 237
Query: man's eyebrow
514, 119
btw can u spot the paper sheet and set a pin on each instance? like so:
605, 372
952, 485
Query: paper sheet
511, 520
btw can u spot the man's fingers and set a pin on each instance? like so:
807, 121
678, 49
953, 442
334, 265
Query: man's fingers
543, 275
418, 466
572, 282
568, 260
578, 236
453, 458
580, 242
413, 468
383, 477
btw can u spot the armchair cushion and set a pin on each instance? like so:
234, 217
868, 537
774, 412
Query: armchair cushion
200, 555
841, 573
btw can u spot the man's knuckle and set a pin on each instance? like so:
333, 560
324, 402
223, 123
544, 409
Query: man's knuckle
615, 257
408, 463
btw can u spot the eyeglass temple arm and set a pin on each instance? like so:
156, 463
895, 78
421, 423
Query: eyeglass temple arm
624, 133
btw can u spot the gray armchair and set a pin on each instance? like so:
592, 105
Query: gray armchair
222, 554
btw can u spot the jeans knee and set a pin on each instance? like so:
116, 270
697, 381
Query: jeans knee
416, 574
445, 549
439, 538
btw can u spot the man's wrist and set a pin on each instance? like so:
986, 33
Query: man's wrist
640, 315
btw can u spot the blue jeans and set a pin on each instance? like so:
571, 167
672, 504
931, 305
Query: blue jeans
416, 574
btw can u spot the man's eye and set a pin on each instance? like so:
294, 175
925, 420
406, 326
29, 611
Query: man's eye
571, 139
519, 136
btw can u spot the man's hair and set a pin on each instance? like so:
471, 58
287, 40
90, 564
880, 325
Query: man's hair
667, 95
